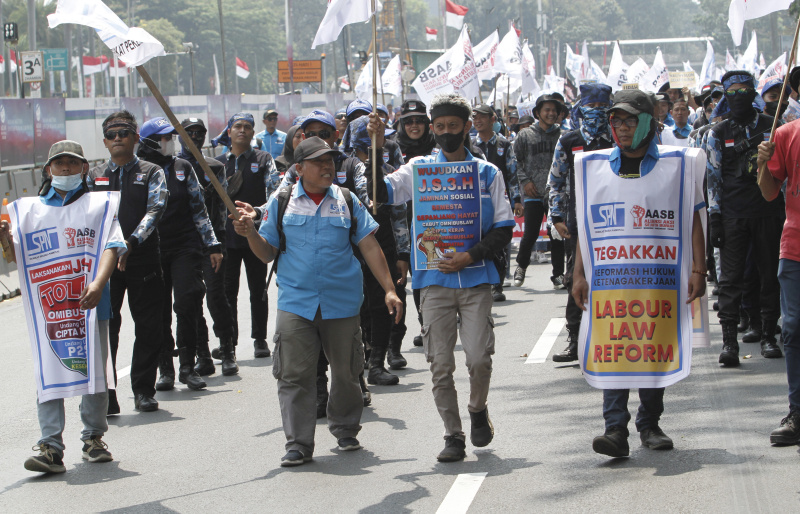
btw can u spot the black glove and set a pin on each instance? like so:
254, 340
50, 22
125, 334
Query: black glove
716, 233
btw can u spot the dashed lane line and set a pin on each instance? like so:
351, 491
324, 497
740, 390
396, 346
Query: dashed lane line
461, 494
545, 343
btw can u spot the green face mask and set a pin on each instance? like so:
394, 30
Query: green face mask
642, 130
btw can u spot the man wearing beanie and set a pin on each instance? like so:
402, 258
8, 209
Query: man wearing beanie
454, 287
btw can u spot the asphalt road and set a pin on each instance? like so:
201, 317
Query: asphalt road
221, 448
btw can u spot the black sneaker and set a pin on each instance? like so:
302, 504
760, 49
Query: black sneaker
348, 444
417, 341
95, 450
497, 293
144, 403
294, 458
789, 431
48, 460
482, 430
260, 349
453, 450
655, 439
519, 277
613, 443
558, 282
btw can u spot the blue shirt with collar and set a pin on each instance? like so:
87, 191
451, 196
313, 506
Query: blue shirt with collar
318, 270
647, 165
272, 143
53, 199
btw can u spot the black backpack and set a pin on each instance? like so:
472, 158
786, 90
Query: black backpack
283, 194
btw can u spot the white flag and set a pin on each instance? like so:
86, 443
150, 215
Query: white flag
364, 83
776, 69
485, 54
596, 72
433, 80
741, 10
730, 62
657, 76
709, 65
749, 59
391, 79
339, 14
463, 73
720, 73
617, 70
529, 84
574, 64
132, 45
554, 84
507, 84
509, 54
586, 62
637, 70
216, 75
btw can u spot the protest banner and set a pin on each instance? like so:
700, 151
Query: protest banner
637, 330
447, 211
682, 79
58, 252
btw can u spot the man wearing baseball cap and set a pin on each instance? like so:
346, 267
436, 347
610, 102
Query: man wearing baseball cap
65, 184
320, 291
633, 128
271, 140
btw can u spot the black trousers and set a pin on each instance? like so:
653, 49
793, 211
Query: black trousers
557, 253
183, 293
574, 313
399, 329
375, 318
534, 212
256, 272
217, 303
751, 294
143, 281
765, 235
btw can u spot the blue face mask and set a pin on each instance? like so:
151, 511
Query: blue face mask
66, 182
595, 120
496, 127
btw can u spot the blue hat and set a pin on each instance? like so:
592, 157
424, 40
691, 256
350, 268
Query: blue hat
771, 83
298, 120
156, 127
359, 137
595, 92
359, 105
321, 116
382, 108
225, 140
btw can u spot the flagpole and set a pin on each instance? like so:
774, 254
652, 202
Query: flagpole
762, 171
192, 148
374, 106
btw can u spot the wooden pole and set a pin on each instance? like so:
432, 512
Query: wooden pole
374, 107
191, 146
763, 170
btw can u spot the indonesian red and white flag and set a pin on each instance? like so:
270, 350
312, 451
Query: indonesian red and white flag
741, 10
339, 14
92, 65
454, 16
430, 34
121, 70
135, 45
12, 63
242, 71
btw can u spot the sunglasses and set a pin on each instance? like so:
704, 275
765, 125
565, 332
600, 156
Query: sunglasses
322, 134
628, 122
740, 91
196, 133
271, 118
112, 134
414, 120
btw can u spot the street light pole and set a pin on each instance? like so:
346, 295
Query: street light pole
222, 38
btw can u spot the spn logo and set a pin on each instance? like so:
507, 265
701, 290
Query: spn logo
41, 241
608, 215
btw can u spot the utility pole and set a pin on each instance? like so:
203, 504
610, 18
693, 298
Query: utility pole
222, 39
6, 67
31, 24
443, 12
289, 46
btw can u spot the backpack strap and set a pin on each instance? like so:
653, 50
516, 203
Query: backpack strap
348, 199
283, 195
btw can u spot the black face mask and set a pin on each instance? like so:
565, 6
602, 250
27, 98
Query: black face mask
772, 108
450, 142
742, 106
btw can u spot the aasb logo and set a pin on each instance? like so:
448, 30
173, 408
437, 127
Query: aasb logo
608, 215
42, 241
637, 211
658, 219
79, 237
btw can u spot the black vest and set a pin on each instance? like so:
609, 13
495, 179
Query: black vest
133, 185
254, 164
177, 228
214, 205
572, 142
740, 196
496, 154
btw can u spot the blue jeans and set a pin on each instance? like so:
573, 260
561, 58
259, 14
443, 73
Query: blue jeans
789, 277
93, 408
615, 408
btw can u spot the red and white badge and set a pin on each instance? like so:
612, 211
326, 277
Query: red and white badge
729, 143
101, 181
577, 149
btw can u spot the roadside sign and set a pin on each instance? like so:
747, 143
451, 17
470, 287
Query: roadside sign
32, 66
303, 71
56, 59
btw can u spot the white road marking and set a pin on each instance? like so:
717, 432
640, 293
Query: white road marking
124, 372
542, 347
461, 494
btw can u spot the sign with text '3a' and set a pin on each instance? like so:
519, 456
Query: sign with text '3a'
32, 66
